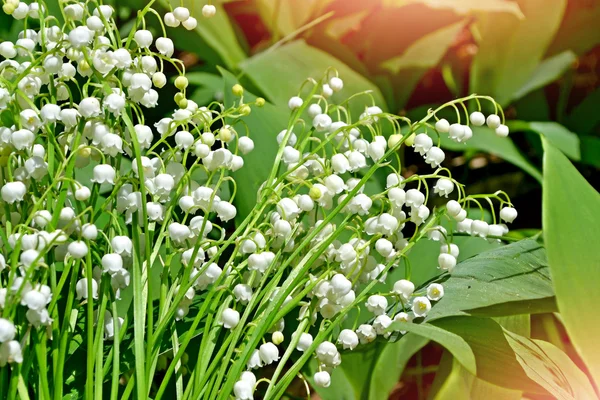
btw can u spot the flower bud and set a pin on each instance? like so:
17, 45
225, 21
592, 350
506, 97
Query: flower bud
181, 82
502, 131
237, 90
442, 126
493, 121
209, 11
477, 118
277, 338
190, 24
322, 379
230, 318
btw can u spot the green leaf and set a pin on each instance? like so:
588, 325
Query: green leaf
423, 54
510, 49
512, 279
573, 34
584, 118
551, 368
390, 364
571, 225
451, 341
485, 140
265, 122
453, 381
286, 17
546, 72
590, 150
496, 360
275, 71
465, 7
426, 52
558, 135
217, 33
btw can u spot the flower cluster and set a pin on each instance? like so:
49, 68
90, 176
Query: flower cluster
125, 229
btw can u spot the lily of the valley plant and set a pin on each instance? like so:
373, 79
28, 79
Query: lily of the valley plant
120, 274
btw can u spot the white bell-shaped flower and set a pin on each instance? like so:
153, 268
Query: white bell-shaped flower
422, 143
22, 139
421, 306
508, 214
165, 46
13, 192
376, 304
446, 262
404, 288
435, 156
268, 353
230, 318
435, 292
82, 289
348, 339
242, 293
243, 390
442, 126
366, 333
10, 352
7, 330
322, 379
104, 173
78, 249
112, 262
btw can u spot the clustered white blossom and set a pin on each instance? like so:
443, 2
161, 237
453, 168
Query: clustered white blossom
314, 246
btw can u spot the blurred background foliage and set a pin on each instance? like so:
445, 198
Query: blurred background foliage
538, 58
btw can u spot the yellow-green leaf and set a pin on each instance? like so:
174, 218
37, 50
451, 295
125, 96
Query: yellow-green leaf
571, 222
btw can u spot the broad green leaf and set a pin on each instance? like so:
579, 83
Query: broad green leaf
451, 341
510, 49
275, 71
559, 136
263, 124
555, 133
512, 279
485, 140
423, 54
455, 382
590, 150
339, 27
574, 33
390, 364
217, 33
585, 116
465, 7
427, 51
496, 360
546, 72
287, 16
571, 223
551, 368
